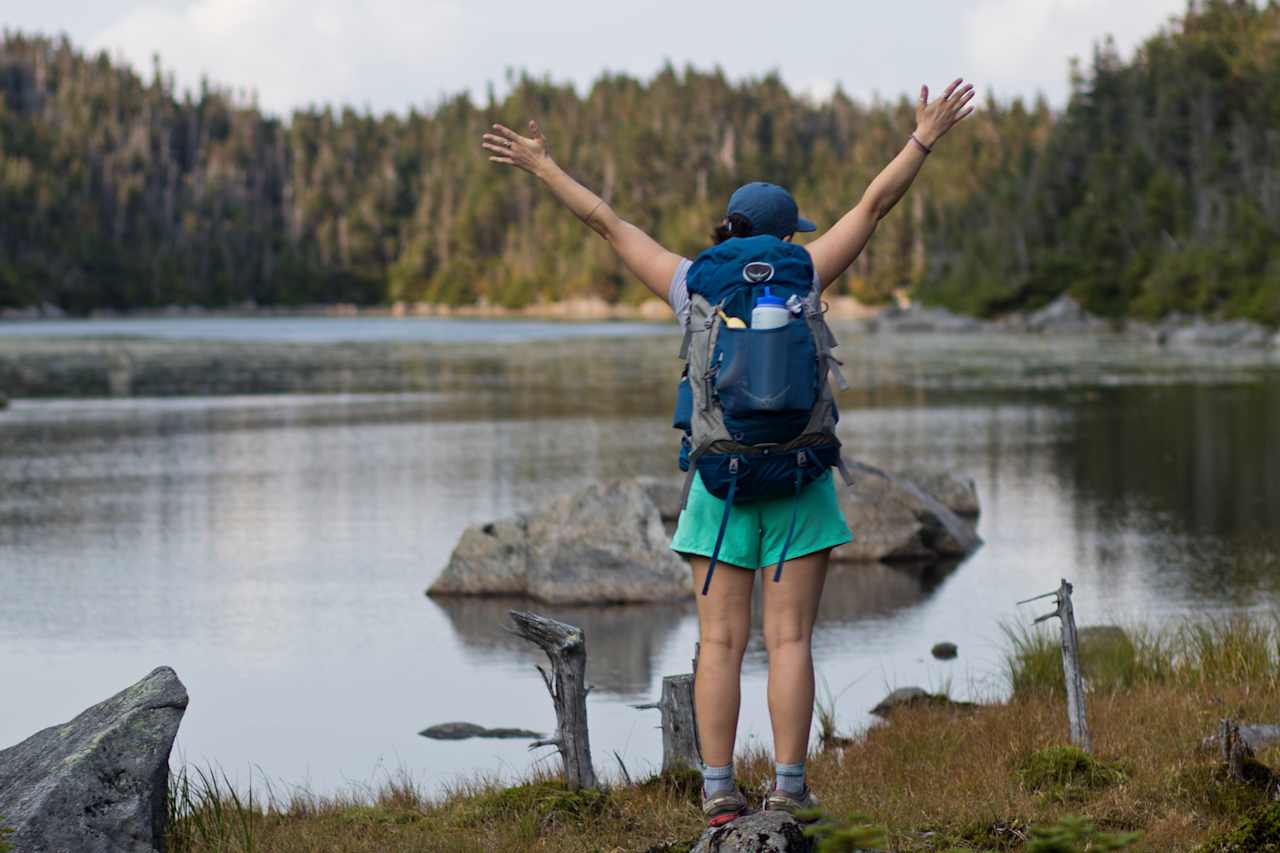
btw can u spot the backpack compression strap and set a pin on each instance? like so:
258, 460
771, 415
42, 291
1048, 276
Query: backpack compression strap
802, 459
724, 521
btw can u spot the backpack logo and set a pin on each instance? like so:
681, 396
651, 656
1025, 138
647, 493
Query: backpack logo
757, 271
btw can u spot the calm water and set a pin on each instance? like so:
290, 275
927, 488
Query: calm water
322, 329
274, 549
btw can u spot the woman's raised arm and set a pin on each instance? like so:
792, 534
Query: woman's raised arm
836, 249
641, 254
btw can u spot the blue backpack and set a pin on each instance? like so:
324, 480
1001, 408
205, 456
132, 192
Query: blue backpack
755, 405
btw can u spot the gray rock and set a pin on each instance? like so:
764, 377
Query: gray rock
463, 731
944, 651
1064, 314
899, 698
1204, 333
665, 494
1275, 341
602, 544
910, 697
956, 492
919, 318
893, 519
757, 832
98, 783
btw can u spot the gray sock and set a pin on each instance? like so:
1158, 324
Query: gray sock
789, 778
717, 780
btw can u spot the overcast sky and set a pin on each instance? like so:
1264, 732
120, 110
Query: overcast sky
391, 54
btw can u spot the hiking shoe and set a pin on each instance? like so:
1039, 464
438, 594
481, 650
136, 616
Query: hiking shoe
723, 808
793, 804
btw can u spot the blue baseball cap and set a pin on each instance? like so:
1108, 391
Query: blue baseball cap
770, 208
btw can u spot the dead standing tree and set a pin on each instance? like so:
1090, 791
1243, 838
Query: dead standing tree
680, 746
1070, 663
566, 648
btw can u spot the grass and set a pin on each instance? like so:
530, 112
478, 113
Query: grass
998, 779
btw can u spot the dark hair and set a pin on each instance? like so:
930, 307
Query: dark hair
733, 225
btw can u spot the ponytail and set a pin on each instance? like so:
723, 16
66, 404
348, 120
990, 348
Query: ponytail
733, 225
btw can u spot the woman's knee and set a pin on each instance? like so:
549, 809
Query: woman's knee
723, 643
787, 637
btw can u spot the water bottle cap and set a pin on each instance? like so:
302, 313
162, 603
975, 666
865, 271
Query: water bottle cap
767, 298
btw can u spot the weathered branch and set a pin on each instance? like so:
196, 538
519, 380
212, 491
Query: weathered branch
566, 649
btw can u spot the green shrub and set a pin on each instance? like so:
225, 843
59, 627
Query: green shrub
1066, 773
1076, 835
1257, 832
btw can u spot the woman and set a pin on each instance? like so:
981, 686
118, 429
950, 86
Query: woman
791, 605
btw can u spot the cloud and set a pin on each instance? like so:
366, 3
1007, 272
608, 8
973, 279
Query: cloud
1017, 45
393, 54
379, 53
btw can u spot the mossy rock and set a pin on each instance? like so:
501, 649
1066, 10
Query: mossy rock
1210, 787
684, 782
1257, 832
542, 801
1067, 773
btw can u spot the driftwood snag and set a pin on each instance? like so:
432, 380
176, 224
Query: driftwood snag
1070, 663
679, 731
566, 648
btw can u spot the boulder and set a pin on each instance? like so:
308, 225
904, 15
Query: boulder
1199, 332
98, 783
893, 519
912, 697
666, 494
603, 544
918, 318
956, 492
757, 832
1064, 314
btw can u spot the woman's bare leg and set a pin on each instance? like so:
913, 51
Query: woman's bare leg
790, 608
724, 621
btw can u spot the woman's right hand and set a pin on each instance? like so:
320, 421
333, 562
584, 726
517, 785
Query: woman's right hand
531, 153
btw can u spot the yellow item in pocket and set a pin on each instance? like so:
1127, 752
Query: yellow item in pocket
731, 322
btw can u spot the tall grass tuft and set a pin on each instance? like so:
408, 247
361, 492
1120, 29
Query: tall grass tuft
208, 813
1194, 653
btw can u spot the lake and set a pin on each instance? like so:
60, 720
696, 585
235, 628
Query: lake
274, 548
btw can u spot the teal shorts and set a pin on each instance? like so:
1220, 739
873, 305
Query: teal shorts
755, 533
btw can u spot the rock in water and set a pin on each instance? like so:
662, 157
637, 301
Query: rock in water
758, 832
956, 492
894, 519
944, 650
98, 783
1064, 314
462, 731
604, 543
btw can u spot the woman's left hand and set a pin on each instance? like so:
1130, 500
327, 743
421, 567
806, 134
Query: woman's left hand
933, 119
531, 153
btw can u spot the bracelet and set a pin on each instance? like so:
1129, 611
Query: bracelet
587, 218
925, 148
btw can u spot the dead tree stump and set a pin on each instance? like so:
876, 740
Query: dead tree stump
566, 648
679, 731
1070, 663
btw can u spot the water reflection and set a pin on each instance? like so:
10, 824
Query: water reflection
623, 642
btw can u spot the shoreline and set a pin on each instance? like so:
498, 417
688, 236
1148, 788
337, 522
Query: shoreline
587, 309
